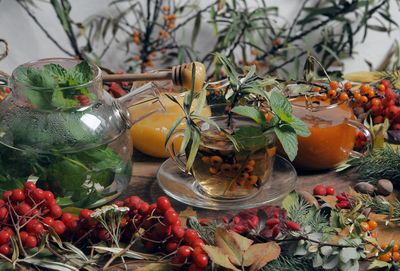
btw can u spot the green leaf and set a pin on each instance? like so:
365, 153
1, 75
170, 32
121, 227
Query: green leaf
279, 103
288, 138
59, 101
56, 71
290, 200
201, 102
349, 253
172, 129
250, 112
81, 73
196, 28
300, 127
193, 149
377, 264
250, 138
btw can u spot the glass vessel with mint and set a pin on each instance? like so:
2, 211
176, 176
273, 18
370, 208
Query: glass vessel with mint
231, 152
60, 127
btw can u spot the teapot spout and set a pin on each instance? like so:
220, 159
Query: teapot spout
145, 98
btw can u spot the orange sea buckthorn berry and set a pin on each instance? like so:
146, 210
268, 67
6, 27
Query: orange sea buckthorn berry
372, 225
236, 167
323, 96
332, 92
395, 247
216, 160
364, 88
387, 257
316, 89
371, 93
364, 99
170, 25
381, 87
333, 85
364, 226
249, 168
206, 160
166, 17
347, 85
226, 168
375, 102
396, 256
343, 96
374, 234
357, 96
242, 181
244, 175
213, 170
253, 179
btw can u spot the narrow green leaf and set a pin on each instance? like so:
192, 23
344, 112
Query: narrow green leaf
193, 149
207, 120
201, 102
196, 28
172, 129
186, 138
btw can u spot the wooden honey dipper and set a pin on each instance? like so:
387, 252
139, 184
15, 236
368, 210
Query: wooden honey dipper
181, 75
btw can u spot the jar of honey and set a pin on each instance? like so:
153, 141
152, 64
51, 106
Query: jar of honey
333, 128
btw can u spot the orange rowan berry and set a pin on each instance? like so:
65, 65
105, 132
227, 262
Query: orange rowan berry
333, 85
387, 257
347, 85
343, 96
332, 92
372, 225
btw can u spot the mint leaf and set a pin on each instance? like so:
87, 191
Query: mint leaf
56, 71
300, 127
250, 138
59, 101
250, 112
288, 138
81, 73
279, 103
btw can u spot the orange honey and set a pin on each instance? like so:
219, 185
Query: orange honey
332, 138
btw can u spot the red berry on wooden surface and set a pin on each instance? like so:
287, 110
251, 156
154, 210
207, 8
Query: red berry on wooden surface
319, 190
330, 190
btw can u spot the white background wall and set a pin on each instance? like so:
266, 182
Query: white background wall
27, 42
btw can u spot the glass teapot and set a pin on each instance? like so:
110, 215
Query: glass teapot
72, 138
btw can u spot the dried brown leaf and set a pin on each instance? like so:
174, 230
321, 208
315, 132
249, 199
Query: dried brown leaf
218, 256
185, 214
156, 267
232, 244
259, 255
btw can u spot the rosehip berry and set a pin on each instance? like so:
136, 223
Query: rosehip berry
293, 226
38, 195
184, 251
197, 250
23, 235
72, 224
171, 216
55, 211
48, 195
24, 209
190, 235
319, 190
3, 213
236, 220
38, 228
197, 243
7, 195
171, 247
18, 195
59, 227
4, 237
275, 214
30, 225
271, 222
5, 249
201, 260
31, 241
178, 231
330, 190
163, 203
85, 213
144, 208
29, 186
2, 203
343, 204
66, 217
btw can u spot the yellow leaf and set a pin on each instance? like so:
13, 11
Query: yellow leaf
185, 214
218, 257
259, 255
156, 267
232, 244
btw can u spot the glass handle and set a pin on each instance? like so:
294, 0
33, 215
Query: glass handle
145, 100
368, 136
171, 150
3, 79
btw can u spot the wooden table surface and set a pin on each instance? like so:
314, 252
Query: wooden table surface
144, 184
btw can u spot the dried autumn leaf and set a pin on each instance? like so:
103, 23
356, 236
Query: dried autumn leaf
258, 255
218, 257
232, 244
185, 214
156, 267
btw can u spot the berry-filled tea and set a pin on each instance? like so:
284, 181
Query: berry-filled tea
223, 172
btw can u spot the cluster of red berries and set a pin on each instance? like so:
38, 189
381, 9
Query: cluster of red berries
387, 107
248, 222
320, 190
83, 100
32, 211
343, 201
